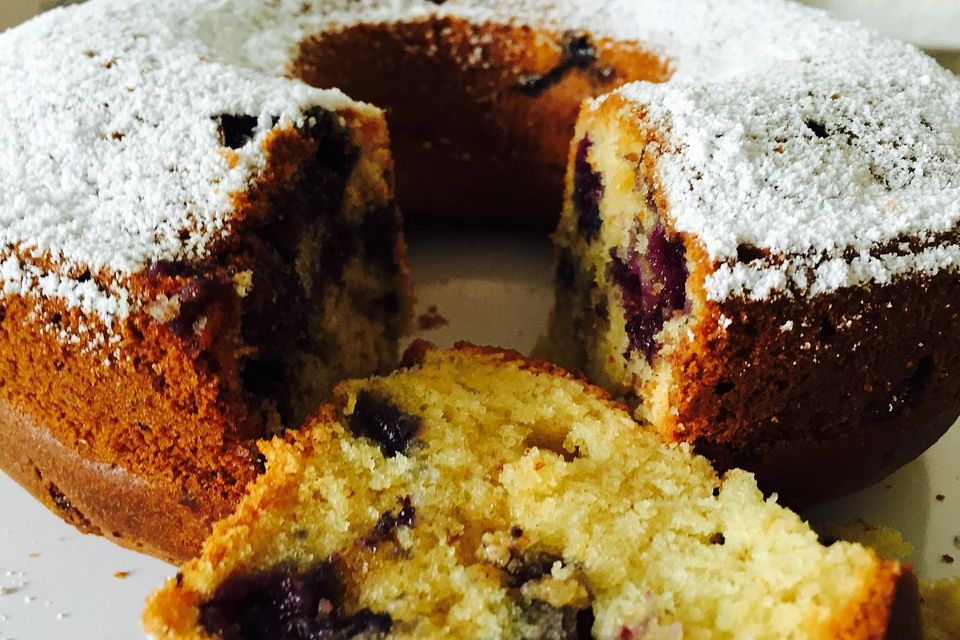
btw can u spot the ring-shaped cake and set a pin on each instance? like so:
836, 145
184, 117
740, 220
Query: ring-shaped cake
758, 243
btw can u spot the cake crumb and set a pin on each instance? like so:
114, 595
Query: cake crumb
940, 497
33, 554
120, 575
946, 558
431, 319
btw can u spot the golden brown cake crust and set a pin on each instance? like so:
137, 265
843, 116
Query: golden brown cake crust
889, 609
144, 432
865, 380
140, 450
153, 517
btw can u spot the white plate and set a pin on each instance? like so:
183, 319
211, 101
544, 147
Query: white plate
494, 288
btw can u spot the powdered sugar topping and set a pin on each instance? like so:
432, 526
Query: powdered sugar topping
112, 158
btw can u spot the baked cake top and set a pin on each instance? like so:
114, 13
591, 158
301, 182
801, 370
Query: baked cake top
113, 158
840, 170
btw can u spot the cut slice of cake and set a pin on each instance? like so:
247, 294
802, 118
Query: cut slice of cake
770, 281
479, 494
140, 367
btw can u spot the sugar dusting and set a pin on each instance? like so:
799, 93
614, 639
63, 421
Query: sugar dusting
113, 160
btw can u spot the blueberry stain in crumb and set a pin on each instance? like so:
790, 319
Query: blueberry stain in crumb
532, 565
377, 418
288, 603
650, 303
387, 524
587, 191
565, 274
557, 623
541, 620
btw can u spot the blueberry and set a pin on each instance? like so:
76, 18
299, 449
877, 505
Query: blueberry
236, 130
375, 417
587, 191
167, 269
666, 258
286, 603
566, 270
649, 304
388, 523
528, 567
579, 50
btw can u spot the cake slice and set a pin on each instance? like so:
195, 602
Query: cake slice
158, 326
479, 494
771, 282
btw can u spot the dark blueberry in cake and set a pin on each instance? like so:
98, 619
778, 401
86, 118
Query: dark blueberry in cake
577, 53
264, 377
325, 176
236, 130
566, 271
650, 295
195, 298
530, 566
747, 253
375, 417
407, 513
817, 128
642, 322
666, 258
541, 621
579, 50
587, 191
286, 603
167, 269
378, 233
388, 523
585, 620
260, 463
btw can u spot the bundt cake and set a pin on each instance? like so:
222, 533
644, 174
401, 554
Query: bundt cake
479, 494
196, 242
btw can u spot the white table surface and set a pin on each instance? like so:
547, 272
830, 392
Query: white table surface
493, 287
